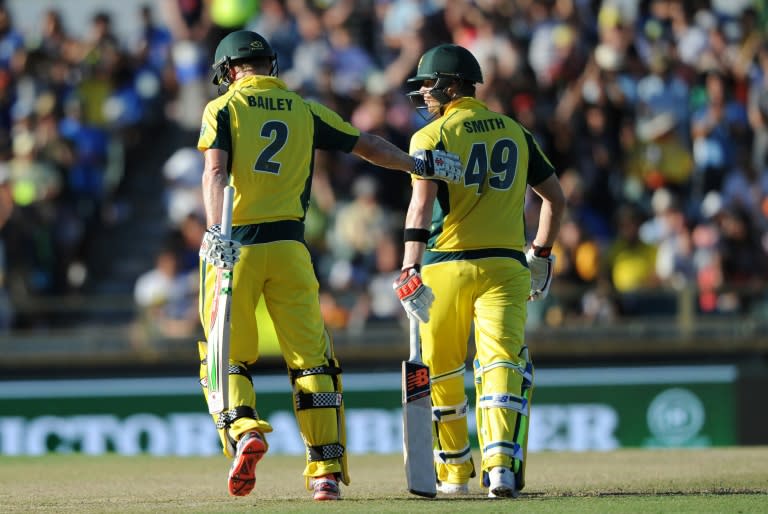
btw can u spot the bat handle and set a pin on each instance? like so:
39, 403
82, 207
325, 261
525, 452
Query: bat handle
226, 213
414, 341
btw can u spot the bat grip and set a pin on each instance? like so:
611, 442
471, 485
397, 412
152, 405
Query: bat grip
226, 212
414, 341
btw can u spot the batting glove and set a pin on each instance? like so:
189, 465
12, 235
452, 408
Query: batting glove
415, 296
542, 269
222, 253
438, 164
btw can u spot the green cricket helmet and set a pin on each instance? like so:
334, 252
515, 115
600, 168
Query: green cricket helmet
446, 64
239, 46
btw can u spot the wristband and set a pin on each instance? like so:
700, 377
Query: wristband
541, 251
420, 235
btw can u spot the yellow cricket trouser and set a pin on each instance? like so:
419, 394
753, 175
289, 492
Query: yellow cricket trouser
281, 271
492, 292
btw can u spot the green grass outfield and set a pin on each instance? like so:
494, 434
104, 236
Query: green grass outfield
729, 480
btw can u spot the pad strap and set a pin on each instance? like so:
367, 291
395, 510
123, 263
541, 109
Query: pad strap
514, 450
442, 413
504, 401
325, 452
234, 369
458, 457
318, 400
228, 417
319, 370
525, 371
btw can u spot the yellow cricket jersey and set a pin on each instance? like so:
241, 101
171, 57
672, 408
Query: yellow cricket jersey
484, 213
270, 134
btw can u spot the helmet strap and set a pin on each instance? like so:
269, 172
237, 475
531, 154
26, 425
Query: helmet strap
438, 90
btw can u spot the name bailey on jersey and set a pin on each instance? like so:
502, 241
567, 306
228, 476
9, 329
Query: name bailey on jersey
270, 104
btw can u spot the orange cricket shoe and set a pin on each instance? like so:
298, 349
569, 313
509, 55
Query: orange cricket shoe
325, 488
242, 475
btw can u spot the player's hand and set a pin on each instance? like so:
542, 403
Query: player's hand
542, 269
222, 253
438, 164
415, 296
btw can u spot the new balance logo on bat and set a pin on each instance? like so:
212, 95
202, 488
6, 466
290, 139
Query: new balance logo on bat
416, 381
418, 378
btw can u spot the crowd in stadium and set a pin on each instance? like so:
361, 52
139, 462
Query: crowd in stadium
654, 113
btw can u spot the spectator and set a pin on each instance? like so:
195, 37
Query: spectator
660, 158
743, 266
631, 263
6, 208
183, 172
718, 129
166, 298
310, 55
358, 227
377, 304
592, 81
758, 110
663, 90
11, 41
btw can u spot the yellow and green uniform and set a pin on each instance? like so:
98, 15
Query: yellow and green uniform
475, 264
270, 134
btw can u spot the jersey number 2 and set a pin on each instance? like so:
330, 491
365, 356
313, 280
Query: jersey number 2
277, 133
501, 164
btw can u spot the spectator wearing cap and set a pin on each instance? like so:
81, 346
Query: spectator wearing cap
659, 158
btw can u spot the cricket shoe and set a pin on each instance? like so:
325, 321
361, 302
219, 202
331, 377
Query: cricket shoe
242, 475
451, 488
325, 488
501, 483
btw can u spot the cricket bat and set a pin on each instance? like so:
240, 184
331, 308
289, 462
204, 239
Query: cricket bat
417, 421
218, 334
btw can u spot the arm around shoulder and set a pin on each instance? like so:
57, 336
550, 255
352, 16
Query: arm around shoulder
424, 163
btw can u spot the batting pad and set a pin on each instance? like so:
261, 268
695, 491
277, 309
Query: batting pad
502, 409
241, 416
319, 409
453, 458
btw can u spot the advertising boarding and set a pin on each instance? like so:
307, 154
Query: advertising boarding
586, 409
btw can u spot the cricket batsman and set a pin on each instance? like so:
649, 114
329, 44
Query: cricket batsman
465, 243
260, 138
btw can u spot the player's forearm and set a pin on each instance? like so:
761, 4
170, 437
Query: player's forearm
549, 224
215, 178
418, 216
413, 253
552, 210
382, 153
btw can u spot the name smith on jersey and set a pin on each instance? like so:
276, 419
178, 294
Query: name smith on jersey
484, 125
270, 104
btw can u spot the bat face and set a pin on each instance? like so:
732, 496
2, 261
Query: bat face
218, 344
417, 430
218, 334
